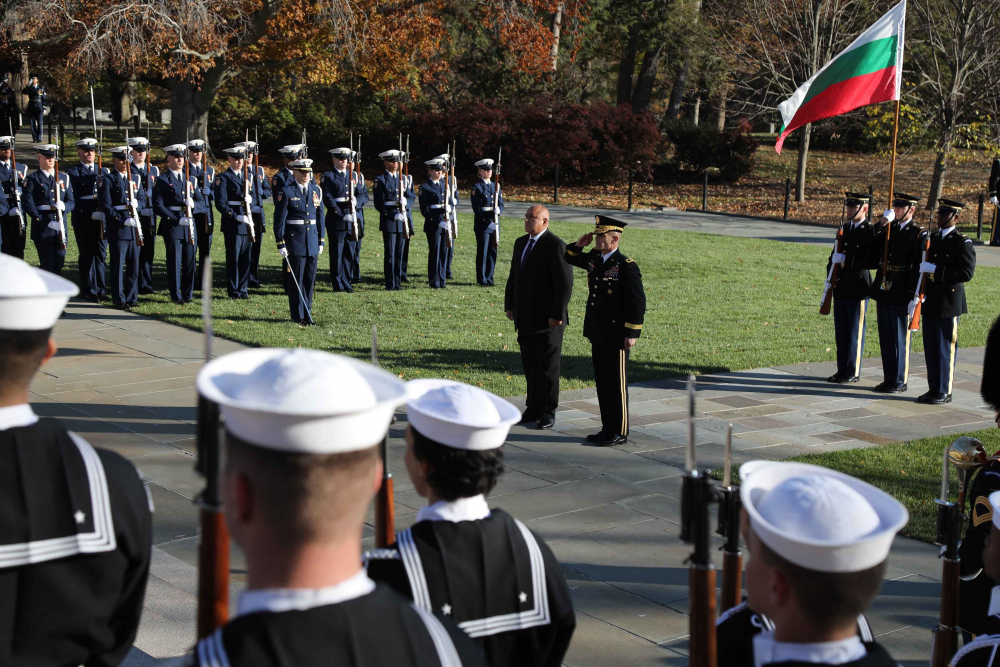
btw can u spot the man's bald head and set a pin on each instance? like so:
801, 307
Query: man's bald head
536, 219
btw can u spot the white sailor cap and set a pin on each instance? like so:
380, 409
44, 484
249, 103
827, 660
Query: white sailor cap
176, 149
89, 143
341, 153
236, 151
31, 299
197, 145
994, 499
435, 163
138, 143
819, 519
391, 156
302, 401
291, 149
485, 163
302, 164
6, 141
120, 152
459, 415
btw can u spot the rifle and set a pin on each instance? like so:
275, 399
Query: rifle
247, 213
949, 527
729, 528
400, 201
918, 293
452, 213
16, 189
213, 550
449, 240
188, 212
886, 284
352, 197
831, 279
385, 511
100, 160
132, 208
697, 495
59, 213
496, 202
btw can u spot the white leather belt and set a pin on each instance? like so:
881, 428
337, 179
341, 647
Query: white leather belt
339, 199
235, 203
486, 208
86, 197
436, 206
390, 203
120, 207
44, 207
175, 208
300, 222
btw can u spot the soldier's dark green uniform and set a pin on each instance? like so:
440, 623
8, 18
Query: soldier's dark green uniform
616, 306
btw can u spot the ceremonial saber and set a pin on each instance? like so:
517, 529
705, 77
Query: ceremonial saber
301, 295
385, 509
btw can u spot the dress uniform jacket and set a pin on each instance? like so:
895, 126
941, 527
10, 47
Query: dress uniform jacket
975, 585
337, 198
492, 576
227, 190
386, 196
432, 204
11, 241
854, 280
905, 253
281, 178
168, 204
956, 262
75, 541
985, 650
84, 183
616, 302
113, 193
482, 204
147, 176
290, 203
39, 200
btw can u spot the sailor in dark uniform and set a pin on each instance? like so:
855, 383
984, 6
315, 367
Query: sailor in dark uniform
340, 218
615, 310
147, 175
36, 107
9, 115
172, 197
76, 534
48, 225
204, 221
819, 543
360, 213
994, 184
284, 175
302, 464
298, 231
854, 282
482, 206
481, 568
11, 237
951, 262
122, 229
392, 218
227, 190
88, 222
260, 189
435, 211
894, 286
984, 651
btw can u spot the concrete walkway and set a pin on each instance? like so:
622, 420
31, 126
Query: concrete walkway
126, 382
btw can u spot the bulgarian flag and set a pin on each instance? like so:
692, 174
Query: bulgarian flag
866, 72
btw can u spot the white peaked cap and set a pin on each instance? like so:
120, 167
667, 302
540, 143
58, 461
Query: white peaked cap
291, 148
46, 147
302, 164
31, 299
459, 415
302, 401
122, 150
485, 163
819, 519
390, 154
175, 148
83, 143
196, 143
138, 141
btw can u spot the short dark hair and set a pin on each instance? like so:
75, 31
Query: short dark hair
21, 354
458, 473
844, 595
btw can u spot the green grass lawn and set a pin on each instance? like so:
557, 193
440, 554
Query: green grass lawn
714, 303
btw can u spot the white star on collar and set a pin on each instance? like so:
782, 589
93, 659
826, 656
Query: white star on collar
446, 610
523, 597
79, 516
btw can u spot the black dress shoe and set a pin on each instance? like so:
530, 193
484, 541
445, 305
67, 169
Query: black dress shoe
882, 387
596, 437
527, 418
612, 439
545, 423
177, 302
896, 389
856, 378
836, 378
940, 398
927, 397
349, 290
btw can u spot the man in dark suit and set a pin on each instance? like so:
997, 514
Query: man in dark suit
538, 290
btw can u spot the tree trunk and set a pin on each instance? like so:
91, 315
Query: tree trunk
626, 68
939, 173
697, 110
720, 115
556, 29
190, 103
677, 93
800, 173
643, 92
123, 96
18, 80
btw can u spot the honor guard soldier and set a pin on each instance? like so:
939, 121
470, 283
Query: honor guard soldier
850, 294
48, 210
284, 175
88, 222
340, 219
360, 213
147, 174
9, 114
893, 288
994, 184
392, 218
123, 230
260, 189
481, 568
482, 207
951, 262
819, 542
302, 464
36, 107
12, 236
435, 211
615, 310
984, 651
298, 231
173, 194
76, 533
227, 190
204, 221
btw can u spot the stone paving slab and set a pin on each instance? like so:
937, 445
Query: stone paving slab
611, 515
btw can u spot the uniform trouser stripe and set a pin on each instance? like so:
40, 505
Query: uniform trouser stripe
862, 309
906, 357
952, 356
849, 324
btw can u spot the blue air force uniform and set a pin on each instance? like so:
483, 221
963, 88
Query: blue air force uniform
433, 208
298, 229
953, 261
11, 238
147, 253
392, 222
227, 190
180, 239
483, 227
39, 202
88, 228
260, 189
337, 199
205, 220
124, 251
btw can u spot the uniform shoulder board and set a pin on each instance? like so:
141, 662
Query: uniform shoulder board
381, 554
629, 260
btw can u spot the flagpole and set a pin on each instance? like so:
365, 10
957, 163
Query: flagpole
892, 169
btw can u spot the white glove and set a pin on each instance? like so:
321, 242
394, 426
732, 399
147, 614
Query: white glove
283, 252
14, 211
185, 220
134, 203
60, 206
910, 308
400, 217
148, 212
131, 222
889, 215
19, 191
443, 224
993, 200
837, 258
189, 202
320, 248
55, 225
927, 267
242, 218
247, 201
348, 218
97, 215
448, 208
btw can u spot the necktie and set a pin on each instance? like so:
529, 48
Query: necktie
527, 251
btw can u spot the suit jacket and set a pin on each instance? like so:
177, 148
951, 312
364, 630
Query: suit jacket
39, 200
906, 247
855, 279
227, 190
432, 204
290, 203
543, 291
956, 262
616, 304
168, 203
482, 204
113, 194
